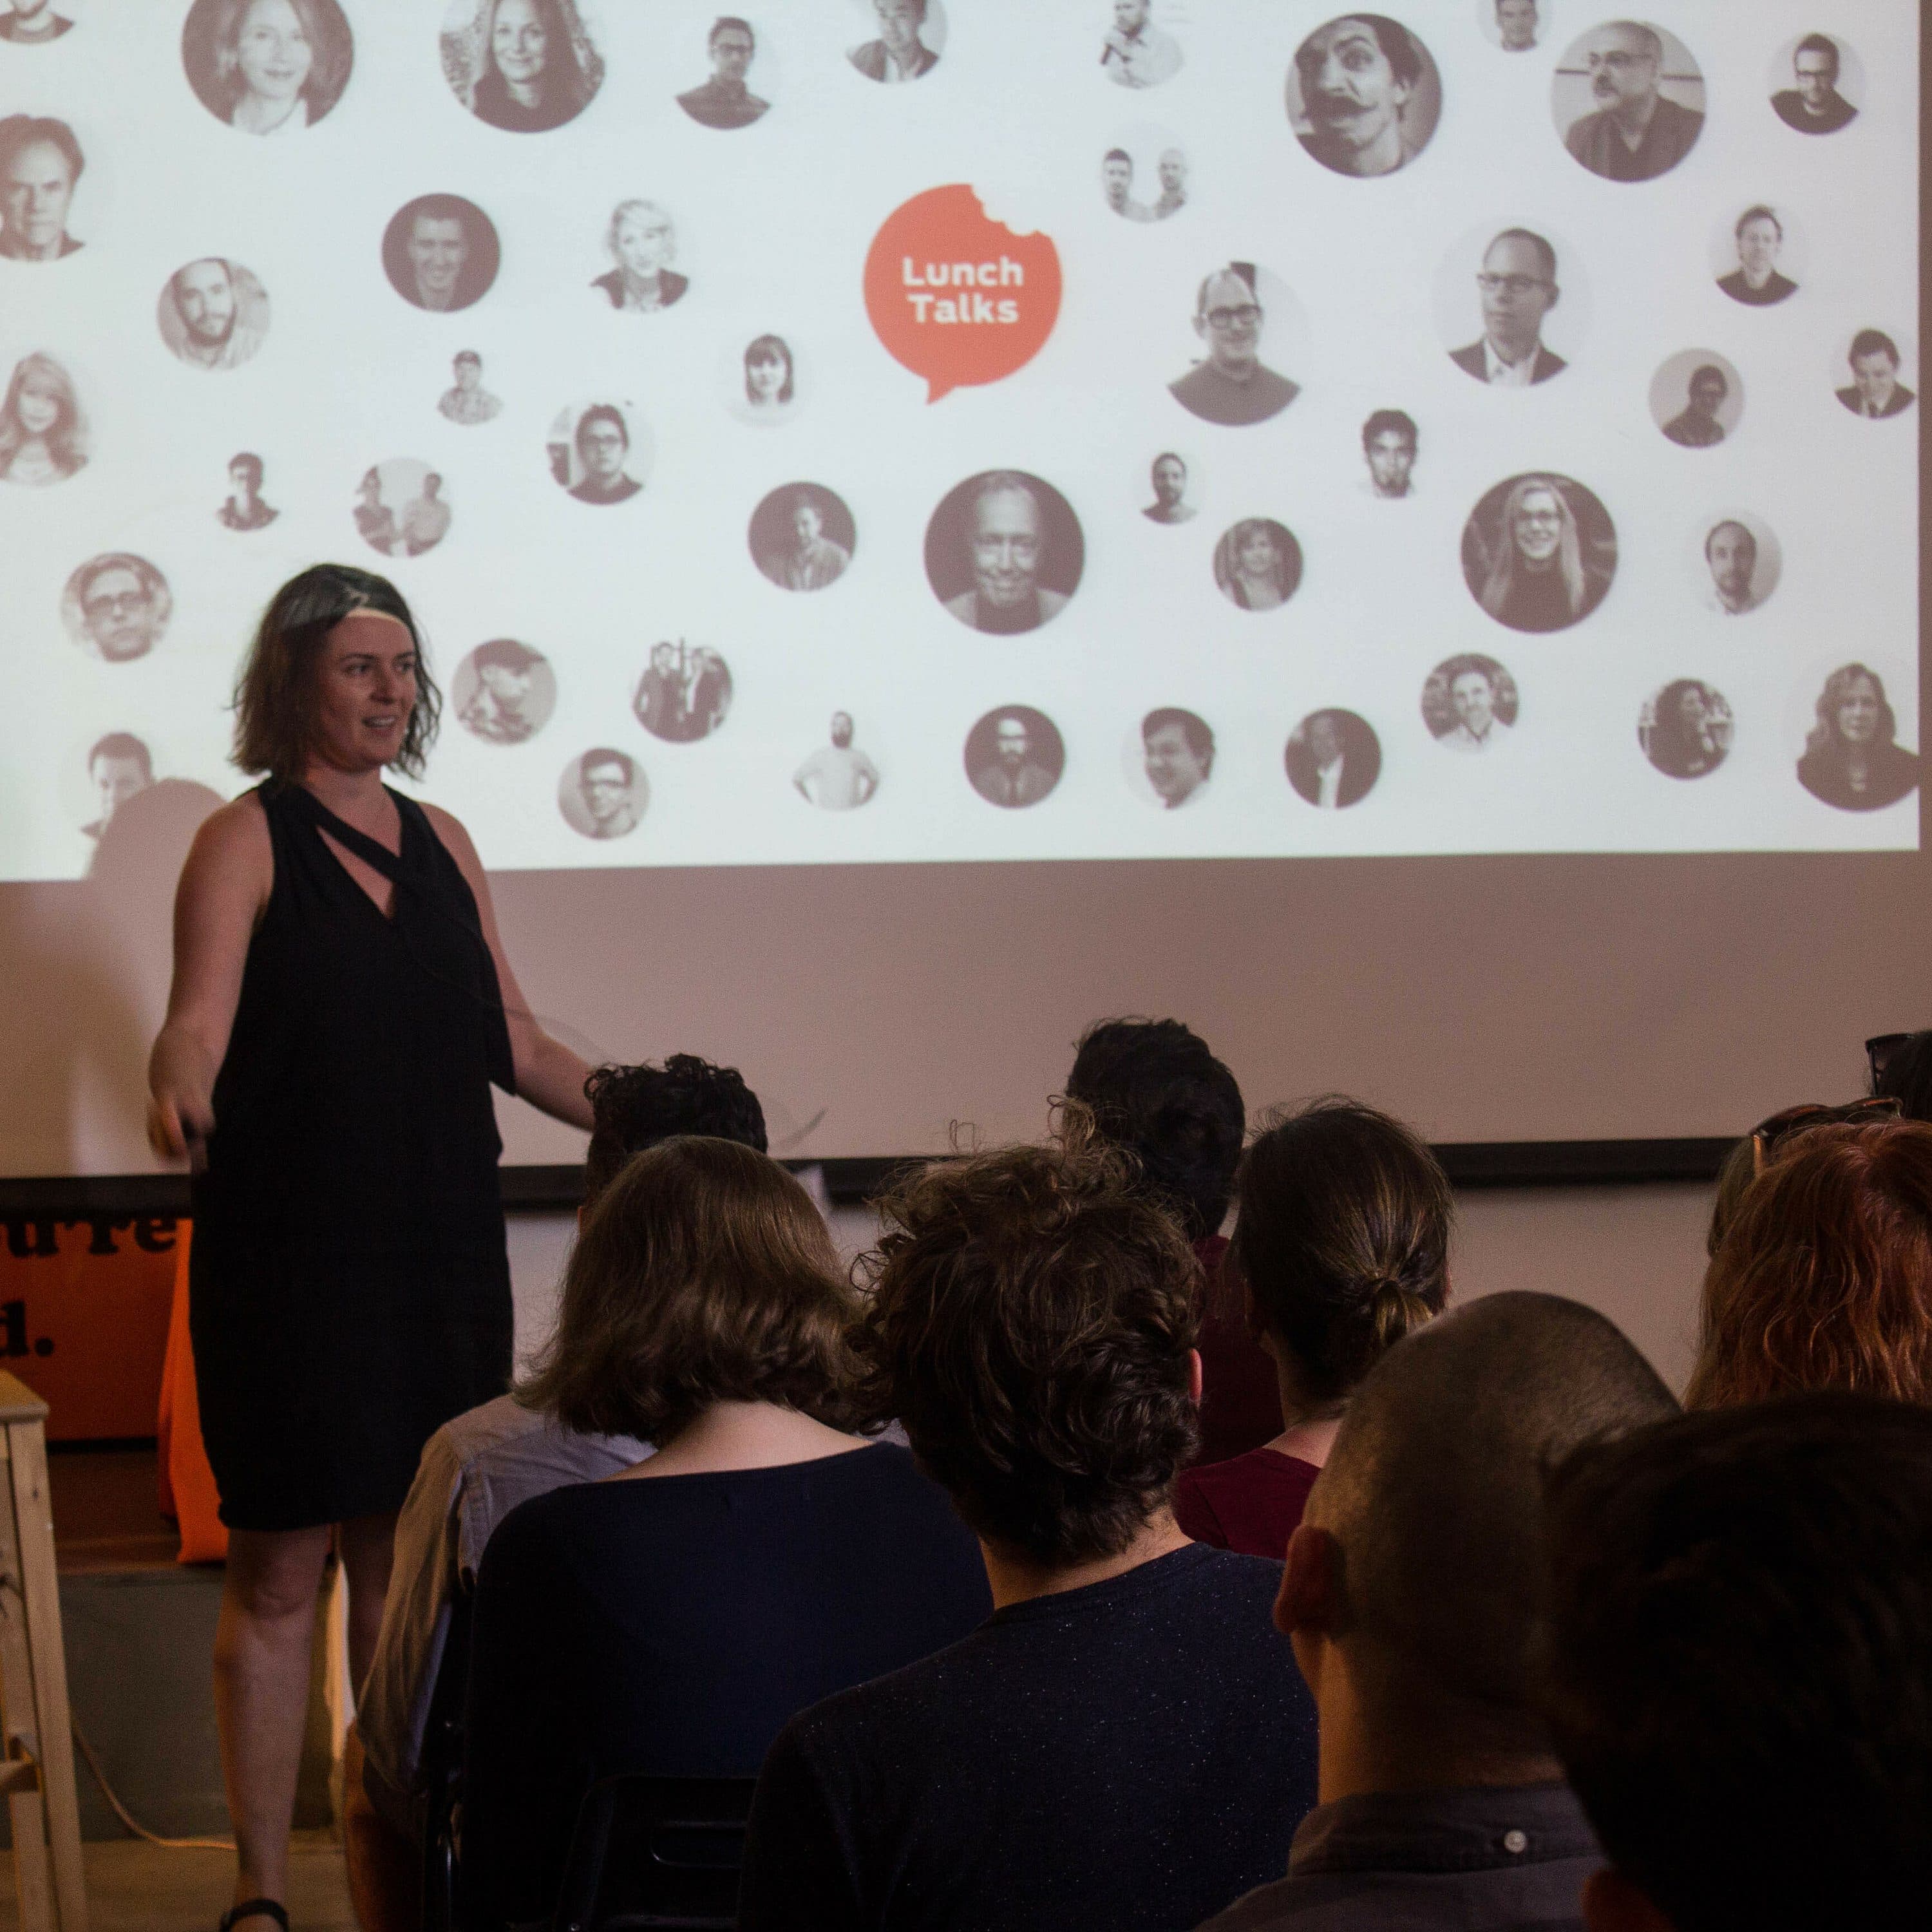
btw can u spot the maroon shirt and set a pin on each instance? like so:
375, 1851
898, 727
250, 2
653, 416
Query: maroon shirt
1251, 1505
1241, 1394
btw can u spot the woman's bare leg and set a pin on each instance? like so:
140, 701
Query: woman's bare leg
262, 1648
367, 1545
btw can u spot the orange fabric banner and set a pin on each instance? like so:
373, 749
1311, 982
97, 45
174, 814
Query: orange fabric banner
188, 1493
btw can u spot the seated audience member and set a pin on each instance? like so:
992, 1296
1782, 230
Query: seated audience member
1342, 1244
1823, 1279
1125, 1743
1411, 1598
478, 1468
1154, 1089
670, 1619
1905, 1074
1738, 1677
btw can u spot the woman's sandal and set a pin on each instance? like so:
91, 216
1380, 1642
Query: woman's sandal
254, 1908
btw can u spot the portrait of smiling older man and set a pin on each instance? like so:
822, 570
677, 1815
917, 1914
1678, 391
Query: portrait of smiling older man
1009, 550
1232, 385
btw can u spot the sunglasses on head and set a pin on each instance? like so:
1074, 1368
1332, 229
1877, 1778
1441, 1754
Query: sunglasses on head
1768, 1134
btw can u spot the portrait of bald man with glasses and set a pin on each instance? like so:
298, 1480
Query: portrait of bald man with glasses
1232, 385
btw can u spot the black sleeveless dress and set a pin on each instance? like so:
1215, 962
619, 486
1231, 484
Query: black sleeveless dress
349, 1290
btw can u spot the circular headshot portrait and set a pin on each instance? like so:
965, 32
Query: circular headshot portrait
762, 384
1333, 759
1628, 100
1516, 26
1244, 317
1852, 758
1539, 552
725, 100
1390, 444
1363, 94
600, 452
839, 776
1470, 703
903, 39
802, 537
524, 65
34, 23
1170, 488
1136, 51
43, 433
1876, 366
1169, 760
440, 252
1004, 552
400, 507
1685, 729
40, 165
1738, 562
603, 794
685, 693
1015, 756
1258, 564
118, 766
244, 508
267, 67
1696, 398
467, 401
1145, 176
641, 240
1817, 84
1512, 305
1758, 255
213, 313
503, 692
116, 607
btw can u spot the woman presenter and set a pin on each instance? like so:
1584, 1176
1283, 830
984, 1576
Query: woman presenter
341, 1008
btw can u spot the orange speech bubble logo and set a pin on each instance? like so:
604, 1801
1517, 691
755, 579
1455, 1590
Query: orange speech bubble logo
957, 297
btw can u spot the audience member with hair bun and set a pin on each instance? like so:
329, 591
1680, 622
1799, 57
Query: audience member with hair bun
1823, 1278
1125, 1743
1155, 1090
670, 1618
1342, 1242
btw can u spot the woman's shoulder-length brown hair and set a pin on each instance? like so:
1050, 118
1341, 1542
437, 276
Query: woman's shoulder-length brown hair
704, 1274
1823, 1278
275, 694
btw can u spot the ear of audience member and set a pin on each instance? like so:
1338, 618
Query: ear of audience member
1410, 1596
480, 1466
1907, 1077
1121, 1745
1823, 1278
1155, 1090
1343, 1248
671, 1618
1738, 1676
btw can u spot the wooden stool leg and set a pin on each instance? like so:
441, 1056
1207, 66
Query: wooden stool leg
27, 1459
19, 1721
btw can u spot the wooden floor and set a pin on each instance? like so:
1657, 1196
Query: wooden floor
136, 1888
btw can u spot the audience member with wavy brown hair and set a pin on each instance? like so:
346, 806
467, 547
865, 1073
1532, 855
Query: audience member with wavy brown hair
1342, 1246
1125, 1743
668, 1619
1823, 1278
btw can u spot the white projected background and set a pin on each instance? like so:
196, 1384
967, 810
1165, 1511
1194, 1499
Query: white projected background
1366, 286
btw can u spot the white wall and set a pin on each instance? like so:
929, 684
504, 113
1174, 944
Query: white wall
1635, 1253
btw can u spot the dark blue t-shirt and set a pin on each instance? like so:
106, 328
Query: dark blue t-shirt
672, 1624
1133, 1755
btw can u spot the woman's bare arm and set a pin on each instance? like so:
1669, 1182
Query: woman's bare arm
224, 886
549, 1075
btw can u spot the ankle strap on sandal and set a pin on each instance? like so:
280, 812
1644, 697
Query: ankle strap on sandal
254, 1908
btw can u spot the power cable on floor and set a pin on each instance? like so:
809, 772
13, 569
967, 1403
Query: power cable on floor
126, 1817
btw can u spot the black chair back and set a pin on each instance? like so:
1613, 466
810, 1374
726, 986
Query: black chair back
442, 1772
656, 1853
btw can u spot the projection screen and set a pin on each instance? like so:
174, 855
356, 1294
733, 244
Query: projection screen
1429, 498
